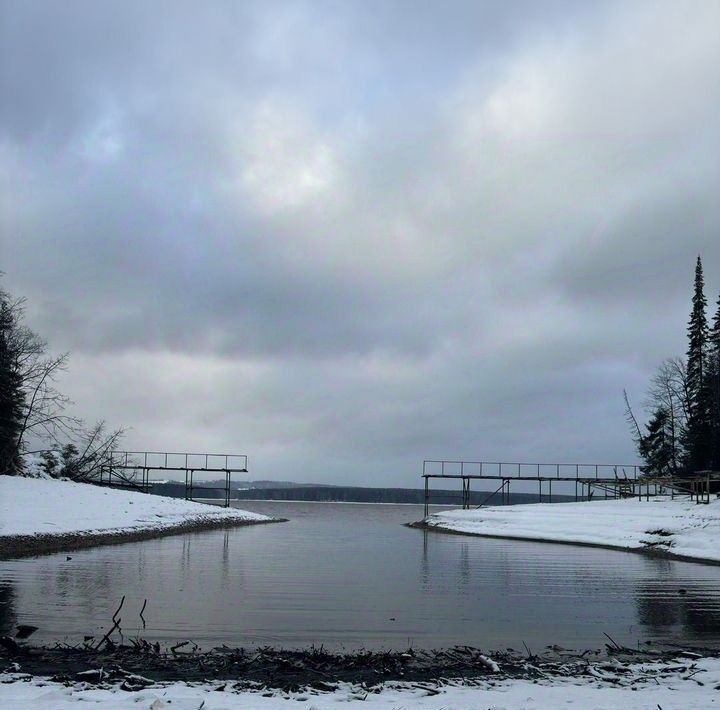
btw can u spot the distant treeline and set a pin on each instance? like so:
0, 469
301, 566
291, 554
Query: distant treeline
357, 494
351, 494
216, 489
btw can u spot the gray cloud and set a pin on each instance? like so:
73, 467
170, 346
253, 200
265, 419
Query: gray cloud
345, 236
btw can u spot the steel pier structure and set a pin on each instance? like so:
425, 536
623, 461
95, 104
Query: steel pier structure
132, 470
611, 480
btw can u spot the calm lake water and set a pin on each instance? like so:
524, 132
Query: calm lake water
350, 576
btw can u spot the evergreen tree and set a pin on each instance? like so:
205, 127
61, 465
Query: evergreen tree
714, 389
12, 398
697, 434
656, 447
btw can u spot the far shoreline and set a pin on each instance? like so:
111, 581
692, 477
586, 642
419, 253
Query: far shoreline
333, 502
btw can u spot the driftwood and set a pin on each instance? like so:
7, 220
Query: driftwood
139, 663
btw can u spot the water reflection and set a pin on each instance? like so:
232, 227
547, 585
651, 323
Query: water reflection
424, 562
673, 601
490, 591
665, 600
352, 575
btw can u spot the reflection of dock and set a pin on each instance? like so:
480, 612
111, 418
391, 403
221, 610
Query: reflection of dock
611, 480
132, 470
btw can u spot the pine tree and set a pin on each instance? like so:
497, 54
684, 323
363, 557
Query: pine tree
697, 434
12, 397
656, 447
714, 389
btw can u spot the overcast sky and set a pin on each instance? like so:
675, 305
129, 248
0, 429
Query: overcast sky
342, 237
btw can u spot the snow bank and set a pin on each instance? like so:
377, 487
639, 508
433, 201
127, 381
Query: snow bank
678, 527
33, 506
645, 686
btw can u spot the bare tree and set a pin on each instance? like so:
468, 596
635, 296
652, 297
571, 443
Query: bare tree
44, 408
669, 391
85, 457
43, 413
632, 421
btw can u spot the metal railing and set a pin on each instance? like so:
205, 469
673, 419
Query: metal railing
439, 468
131, 469
611, 480
180, 460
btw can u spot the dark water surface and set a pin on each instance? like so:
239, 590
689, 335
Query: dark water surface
350, 575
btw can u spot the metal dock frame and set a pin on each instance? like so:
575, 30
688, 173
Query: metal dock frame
125, 466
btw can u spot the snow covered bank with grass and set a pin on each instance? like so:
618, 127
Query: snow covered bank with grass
49, 511
678, 527
682, 684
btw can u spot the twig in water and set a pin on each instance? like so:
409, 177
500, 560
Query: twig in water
116, 625
105, 638
117, 611
141, 612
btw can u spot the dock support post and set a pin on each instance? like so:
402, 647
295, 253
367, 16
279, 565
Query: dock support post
707, 490
427, 497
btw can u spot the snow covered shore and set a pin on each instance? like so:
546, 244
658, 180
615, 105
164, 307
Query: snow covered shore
44, 515
678, 528
681, 684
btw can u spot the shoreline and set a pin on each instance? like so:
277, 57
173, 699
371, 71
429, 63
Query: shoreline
656, 552
677, 529
460, 677
277, 667
20, 546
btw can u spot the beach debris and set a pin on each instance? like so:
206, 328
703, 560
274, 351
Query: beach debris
489, 663
138, 663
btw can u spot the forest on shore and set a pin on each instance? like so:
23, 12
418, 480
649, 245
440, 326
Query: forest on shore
682, 435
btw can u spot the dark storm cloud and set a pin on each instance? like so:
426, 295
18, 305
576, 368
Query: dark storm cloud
355, 234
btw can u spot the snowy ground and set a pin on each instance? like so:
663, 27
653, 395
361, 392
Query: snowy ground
679, 527
675, 685
34, 506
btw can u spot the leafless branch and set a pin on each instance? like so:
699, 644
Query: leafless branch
630, 417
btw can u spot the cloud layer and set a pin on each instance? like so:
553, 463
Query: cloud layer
342, 237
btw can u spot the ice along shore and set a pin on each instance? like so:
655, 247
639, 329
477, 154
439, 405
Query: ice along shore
679, 529
40, 516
